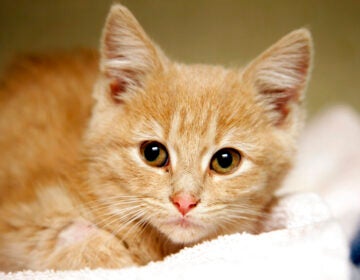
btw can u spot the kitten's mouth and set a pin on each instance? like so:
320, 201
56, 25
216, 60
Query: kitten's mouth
184, 223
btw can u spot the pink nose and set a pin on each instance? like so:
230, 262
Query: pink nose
184, 202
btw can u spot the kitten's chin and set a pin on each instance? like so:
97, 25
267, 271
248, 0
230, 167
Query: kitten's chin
184, 231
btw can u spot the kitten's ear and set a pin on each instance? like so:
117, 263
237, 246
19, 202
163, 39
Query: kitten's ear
280, 74
128, 56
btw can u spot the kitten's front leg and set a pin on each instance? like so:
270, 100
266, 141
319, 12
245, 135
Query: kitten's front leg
82, 244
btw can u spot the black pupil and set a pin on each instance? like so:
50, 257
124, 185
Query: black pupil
152, 151
224, 159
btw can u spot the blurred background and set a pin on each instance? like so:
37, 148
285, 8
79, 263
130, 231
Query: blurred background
229, 32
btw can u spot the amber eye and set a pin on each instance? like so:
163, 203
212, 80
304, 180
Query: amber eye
154, 154
225, 161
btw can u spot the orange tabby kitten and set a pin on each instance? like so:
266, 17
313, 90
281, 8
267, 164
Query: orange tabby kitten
166, 156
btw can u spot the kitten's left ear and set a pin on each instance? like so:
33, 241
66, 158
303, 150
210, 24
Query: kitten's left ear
279, 75
128, 56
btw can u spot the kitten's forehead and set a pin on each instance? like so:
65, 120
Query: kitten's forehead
203, 96
191, 135
194, 82
195, 110
195, 95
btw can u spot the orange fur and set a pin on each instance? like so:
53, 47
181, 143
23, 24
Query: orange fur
75, 190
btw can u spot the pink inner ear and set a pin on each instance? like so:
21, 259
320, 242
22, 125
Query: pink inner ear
281, 99
117, 87
122, 81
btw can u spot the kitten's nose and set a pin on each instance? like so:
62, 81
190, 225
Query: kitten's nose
184, 202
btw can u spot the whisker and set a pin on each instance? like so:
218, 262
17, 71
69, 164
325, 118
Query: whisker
113, 205
110, 201
120, 218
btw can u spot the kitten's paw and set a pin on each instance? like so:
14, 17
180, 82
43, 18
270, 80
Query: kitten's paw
75, 232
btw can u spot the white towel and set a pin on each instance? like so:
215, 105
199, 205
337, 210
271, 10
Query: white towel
328, 163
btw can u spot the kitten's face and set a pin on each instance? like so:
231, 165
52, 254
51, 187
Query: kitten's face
190, 150
193, 112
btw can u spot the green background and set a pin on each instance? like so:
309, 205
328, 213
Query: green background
207, 31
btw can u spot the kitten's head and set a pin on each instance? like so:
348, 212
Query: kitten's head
191, 150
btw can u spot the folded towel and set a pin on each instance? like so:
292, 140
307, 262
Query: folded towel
328, 163
302, 241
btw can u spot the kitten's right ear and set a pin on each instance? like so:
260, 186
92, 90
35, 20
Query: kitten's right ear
128, 56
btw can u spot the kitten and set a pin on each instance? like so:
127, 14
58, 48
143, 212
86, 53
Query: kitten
167, 156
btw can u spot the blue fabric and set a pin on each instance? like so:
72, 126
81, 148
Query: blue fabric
355, 249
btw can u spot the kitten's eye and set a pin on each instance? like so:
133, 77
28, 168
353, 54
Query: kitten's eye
225, 161
154, 154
